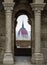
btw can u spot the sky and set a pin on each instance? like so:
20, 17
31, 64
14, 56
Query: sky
24, 19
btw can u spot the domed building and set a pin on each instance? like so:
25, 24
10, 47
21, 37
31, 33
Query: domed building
23, 39
22, 33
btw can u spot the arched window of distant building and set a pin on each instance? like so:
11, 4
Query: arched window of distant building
23, 29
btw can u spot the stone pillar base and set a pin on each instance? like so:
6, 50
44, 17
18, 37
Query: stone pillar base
8, 59
37, 58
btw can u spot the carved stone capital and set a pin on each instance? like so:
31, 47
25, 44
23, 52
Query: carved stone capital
8, 6
38, 6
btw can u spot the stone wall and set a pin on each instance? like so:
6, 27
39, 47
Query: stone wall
2, 35
43, 34
2, 29
23, 43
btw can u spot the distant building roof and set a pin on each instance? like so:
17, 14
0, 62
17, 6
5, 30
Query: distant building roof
22, 31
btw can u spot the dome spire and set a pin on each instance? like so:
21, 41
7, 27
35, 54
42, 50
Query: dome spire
22, 25
23, 31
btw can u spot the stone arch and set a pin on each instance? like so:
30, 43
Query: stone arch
27, 12
20, 12
23, 8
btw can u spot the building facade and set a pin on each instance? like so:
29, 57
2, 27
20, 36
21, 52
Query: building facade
36, 10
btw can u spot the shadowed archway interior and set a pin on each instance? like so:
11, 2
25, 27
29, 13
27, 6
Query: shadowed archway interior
22, 44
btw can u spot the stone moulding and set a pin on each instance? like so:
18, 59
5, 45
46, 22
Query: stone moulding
37, 6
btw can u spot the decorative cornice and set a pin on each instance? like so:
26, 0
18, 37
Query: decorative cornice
36, 6
8, 6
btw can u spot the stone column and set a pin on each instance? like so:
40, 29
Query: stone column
8, 56
37, 30
37, 57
